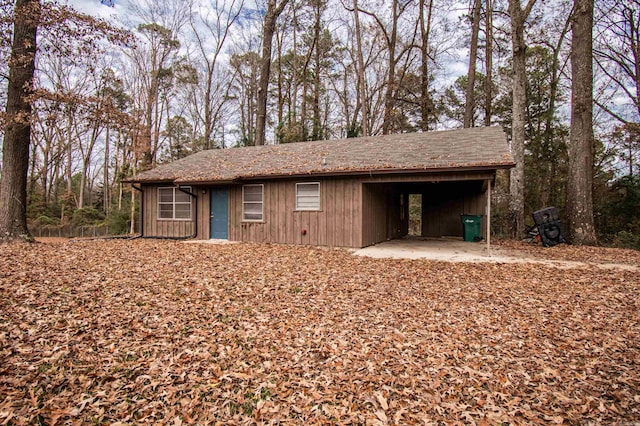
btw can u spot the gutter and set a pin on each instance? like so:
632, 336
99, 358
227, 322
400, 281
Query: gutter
152, 237
333, 173
195, 223
162, 238
139, 189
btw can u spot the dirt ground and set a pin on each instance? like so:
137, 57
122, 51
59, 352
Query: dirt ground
162, 332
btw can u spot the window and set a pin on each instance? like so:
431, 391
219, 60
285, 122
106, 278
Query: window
308, 196
252, 202
174, 204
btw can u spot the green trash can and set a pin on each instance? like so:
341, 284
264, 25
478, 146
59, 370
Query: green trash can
472, 227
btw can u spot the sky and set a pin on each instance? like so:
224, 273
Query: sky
454, 67
95, 8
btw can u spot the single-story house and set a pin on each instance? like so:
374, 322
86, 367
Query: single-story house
348, 193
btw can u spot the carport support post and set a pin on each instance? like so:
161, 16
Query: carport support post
488, 217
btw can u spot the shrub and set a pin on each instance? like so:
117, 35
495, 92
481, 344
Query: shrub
87, 216
119, 222
44, 220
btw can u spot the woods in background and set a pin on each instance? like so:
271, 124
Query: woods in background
174, 77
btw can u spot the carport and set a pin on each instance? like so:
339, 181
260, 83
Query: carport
442, 201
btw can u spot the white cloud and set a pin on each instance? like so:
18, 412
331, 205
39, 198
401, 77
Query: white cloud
95, 8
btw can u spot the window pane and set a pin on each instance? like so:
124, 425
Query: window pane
252, 197
253, 208
308, 188
183, 211
165, 211
165, 195
252, 193
252, 202
181, 197
252, 216
308, 203
308, 196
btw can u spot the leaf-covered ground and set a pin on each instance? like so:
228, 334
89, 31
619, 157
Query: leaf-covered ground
597, 255
108, 332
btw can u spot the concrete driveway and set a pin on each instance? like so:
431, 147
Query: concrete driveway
446, 249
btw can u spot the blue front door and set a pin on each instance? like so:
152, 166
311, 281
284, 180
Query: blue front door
219, 213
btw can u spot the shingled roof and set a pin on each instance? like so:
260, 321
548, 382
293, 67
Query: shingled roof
475, 148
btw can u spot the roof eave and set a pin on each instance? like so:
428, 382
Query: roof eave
374, 172
144, 181
367, 172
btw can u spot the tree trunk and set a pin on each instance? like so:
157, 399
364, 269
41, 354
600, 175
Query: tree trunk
17, 137
69, 171
294, 73
273, 11
361, 73
316, 132
389, 98
471, 74
132, 211
579, 211
426, 104
106, 190
516, 202
488, 80
280, 78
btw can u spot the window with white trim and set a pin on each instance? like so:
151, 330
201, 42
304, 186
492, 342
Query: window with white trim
174, 204
252, 196
308, 196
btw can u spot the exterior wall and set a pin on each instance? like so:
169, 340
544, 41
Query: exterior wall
338, 223
203, 212
382, 217
445, 197
441, 213
354, 211
154, 227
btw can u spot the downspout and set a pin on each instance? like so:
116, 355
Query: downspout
195, 223
489, 217
139, 189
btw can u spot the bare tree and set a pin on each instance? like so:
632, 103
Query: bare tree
617, 57
245, 91
518, 17
391, 38
273, 12
211, 31
473, 57
581, 150
488, 79
426, 103
17, 137
153, 58
362, 82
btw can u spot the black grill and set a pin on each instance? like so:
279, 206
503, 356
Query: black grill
549, 227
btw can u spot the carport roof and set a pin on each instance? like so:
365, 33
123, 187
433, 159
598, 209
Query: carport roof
479, 148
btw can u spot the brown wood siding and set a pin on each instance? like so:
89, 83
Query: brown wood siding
354, 212
445, 198
337, 223
382, 216
443, 204
204, 206
154, 227
433, 177
374, 214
